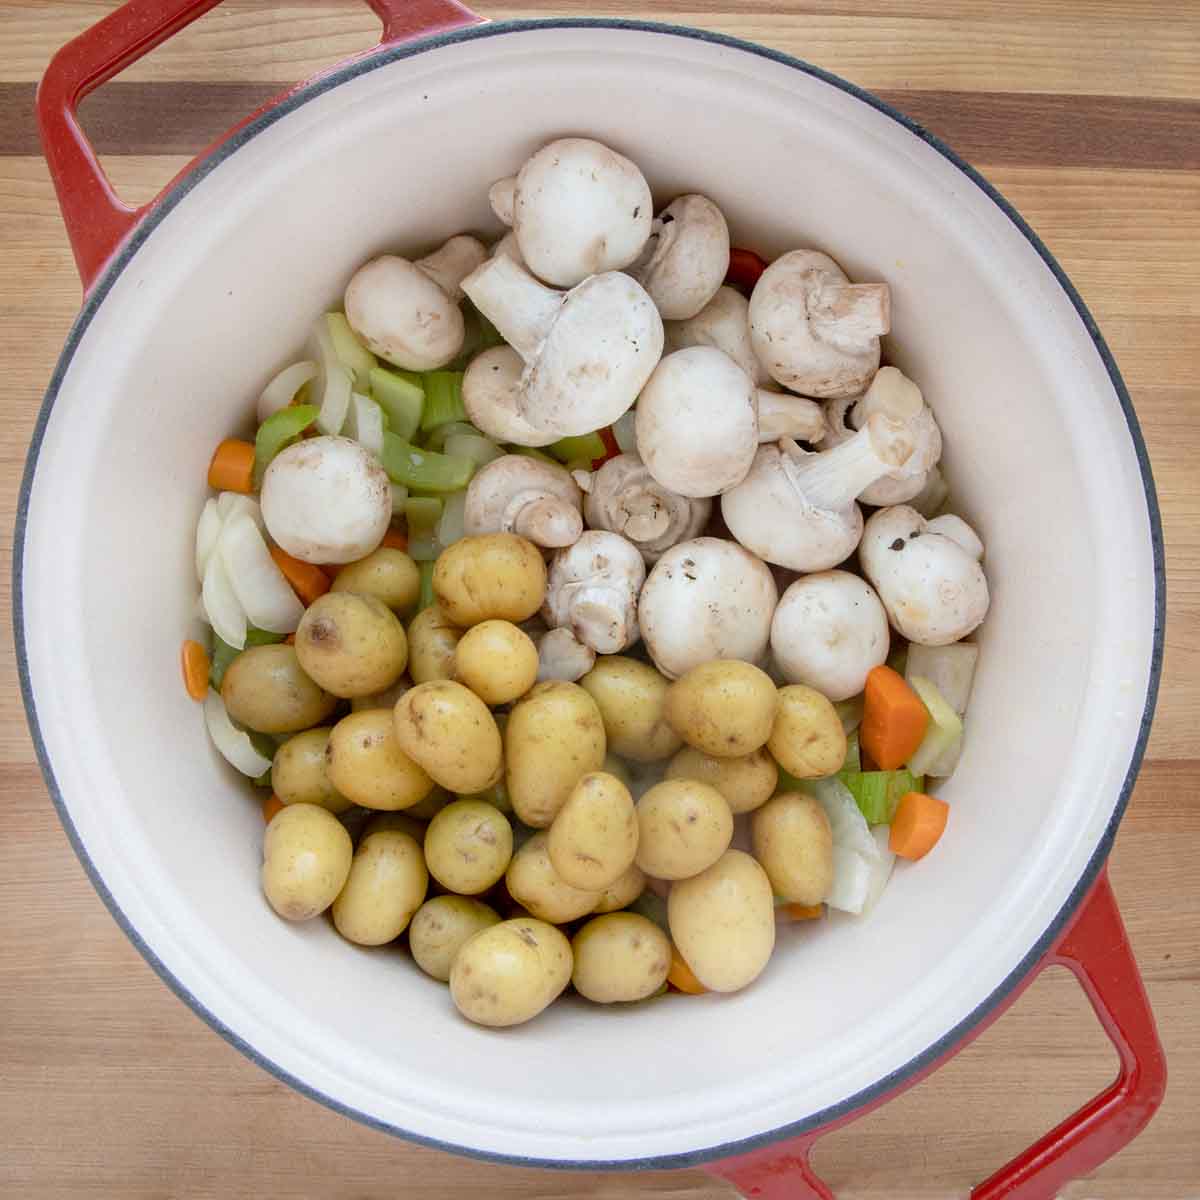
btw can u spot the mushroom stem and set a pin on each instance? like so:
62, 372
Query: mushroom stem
544, 520
783, 415
647, 517
833, 478
451, 264
850, 312
501, 196
596, 618
891, 393
521, 308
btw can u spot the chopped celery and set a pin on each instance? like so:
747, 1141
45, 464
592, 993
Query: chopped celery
943, 735
496, 795
402, 398
280, 429
223, 653
262, 637
530, 452
423, 516
853, 754
651, 906
452, 526
424, 470
264, 780
588, 445
349, 350
399, 496
474, 446
443, 433
951, 669
425, 595
443, 399
898, 658
878, 792
851, 712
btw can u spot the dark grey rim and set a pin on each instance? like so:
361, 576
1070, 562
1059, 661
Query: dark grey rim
892, 1082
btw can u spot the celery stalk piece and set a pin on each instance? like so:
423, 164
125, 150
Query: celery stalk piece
423, 516
425, 596
280, 429
424, 470
943, 734
897, 659
588, 446
443, 399
474, 446
402, 398
853, 761
223, 653
335, 382
452, 525
399, 496
443, 433
530, 452
349, 350
851, 713
878, 792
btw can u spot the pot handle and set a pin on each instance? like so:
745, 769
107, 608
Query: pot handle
96, 218
1096, 949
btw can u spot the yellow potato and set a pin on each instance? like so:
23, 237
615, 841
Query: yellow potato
622, 892
491, 575
431, 642
440, 929
468, 846
306, 860
265, 688
553, 738
620, 957
746, 782
367, 765
594, 838
448, 730
535, 885
351, 645
723, 707
386, 886
299, 774
496, 661
794, 845
631, 696
509, 973
723, 922
683, 827
387, 574
807, 739
401, 822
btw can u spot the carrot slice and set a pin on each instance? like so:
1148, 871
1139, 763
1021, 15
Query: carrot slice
395, 540
919, 822
308, 581
195, 669
680, 976
894, 719
803, 912
290, 640
232, 467
271, 807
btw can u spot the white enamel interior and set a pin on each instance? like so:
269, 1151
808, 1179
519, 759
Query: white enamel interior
220, 295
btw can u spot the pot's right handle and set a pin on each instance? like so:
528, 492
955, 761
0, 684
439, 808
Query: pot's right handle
96, 218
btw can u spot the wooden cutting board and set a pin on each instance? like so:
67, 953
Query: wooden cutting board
1085, 114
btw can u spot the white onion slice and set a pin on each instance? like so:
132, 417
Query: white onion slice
848, 825
365, 423
264, 594
233, 743
208, 529
624, 433
851, 881
225, 613
280, 392
333, 391
231, 503
881, 869
452, 524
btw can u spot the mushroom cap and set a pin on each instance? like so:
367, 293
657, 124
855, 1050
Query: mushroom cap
697, 425
403, 315
489, 394
507, 246
518, 494
829, 630
704, 599
579, 209
934, 590
326, 500
686, 258
724, 322
593, 590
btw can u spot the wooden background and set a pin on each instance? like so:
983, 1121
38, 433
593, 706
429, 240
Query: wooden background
1085, 114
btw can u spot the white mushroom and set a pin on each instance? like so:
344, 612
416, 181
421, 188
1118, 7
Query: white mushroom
724, 323
893, 393
705, 599
624, 497
326, 500
578, 208
798, 509
829, 630
814, 330
490, 388
697, 421
407, 312
587, 352
686, 257
593, 591
933, 588
561, 655
515, 494
507, 245
957, 530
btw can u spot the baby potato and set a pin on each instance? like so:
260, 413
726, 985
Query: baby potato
723, 707
299, 774
386, 886
594, 838
440, 929
306, 861
510, 972
746, 782
468, 846
723, 922
631, 696
431, 642
448, 730
496, 661
537, 887
385, 699
553, 738
794, 845
265, 688
622, 892
620, 957
366, 764
490, 575
387, 574
807, 739
683, 827
351, 645
401, 822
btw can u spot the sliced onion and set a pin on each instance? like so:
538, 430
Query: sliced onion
233, 743
452, 525
225, 613
851, 881
208, 529
280, 392
231, 503
333, 391
848, 825
264, 594
624, 433
881, 869
365, 424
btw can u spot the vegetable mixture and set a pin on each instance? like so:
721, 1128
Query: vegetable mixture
493, 611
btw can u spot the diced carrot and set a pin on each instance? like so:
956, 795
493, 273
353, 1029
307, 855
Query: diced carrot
803, 912
611, 449
744, 269
395, 540
290, 640
195, 669
894, 719
680, 976
272, 806
308, 581
919, 822
232, 467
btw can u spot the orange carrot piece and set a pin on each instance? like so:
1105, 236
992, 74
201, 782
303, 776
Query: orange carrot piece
919, 822
803, 912
894, 719
232, 467
308, 581
395, 540
680, 976
271, 807
290, 640
195, 669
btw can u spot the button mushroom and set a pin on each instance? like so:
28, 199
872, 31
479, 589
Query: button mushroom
537, 500
798, 509
829, 630
723, 323
927, 575
814, 330
578, 208
624, 497
587, 352
561, 655
407, 312
705, 599
490, 388
686, 257
593, 591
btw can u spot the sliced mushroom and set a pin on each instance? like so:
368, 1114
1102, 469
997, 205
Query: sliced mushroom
561, 655
593, 591
515, 494
490, 388
686, 257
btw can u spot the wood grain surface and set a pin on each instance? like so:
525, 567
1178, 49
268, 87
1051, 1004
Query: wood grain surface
1085, 113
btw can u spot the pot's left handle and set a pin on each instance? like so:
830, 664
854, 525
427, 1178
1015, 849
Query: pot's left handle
96, 218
